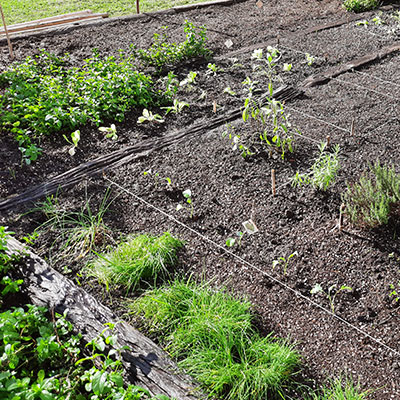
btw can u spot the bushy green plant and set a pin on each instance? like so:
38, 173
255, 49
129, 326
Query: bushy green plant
376, 196
162, 53
39, 359
212, 335
43, 95
141, 258
323, 172
360, 5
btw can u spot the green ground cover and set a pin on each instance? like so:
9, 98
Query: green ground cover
28, 10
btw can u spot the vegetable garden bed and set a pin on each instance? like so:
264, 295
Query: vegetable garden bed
332, 289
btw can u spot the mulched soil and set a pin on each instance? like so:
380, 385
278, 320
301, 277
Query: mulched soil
228, 189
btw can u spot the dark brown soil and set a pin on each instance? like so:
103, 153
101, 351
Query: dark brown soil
228, 189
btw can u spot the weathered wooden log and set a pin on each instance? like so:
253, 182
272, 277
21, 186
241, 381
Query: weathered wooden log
326, 76
145, 364
128, 154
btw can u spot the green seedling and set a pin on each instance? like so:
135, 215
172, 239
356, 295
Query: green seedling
284, 261
110, 132
364, 22
236, 141
213, 69
156, 178
148, 116
310, 59
287, 67
189, 81
360, 5
395, 291
377, 20
75, 138
329, 293
323, 172
187, 194
229, 90
249, 227
230, 242
176, 108
30, 153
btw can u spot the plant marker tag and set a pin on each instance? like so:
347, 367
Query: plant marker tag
228, 43
214, 106
273, 182
250, 227
259, 4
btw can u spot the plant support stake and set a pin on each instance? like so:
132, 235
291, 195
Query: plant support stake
341, 214
273, 182
137, 7
7, 34
328, 141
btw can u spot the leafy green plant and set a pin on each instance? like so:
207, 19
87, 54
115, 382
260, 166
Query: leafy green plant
213, 69
360, 5
44, 95
142, 258
162, 53
230, 242
189, 81
309, 59
148, 116
376, 196
236, 140
75, 138
323, 172
176, 108
110, 132
187, 194
212, 336
395, 291
156, 178
229, 91
331, 293
284, 261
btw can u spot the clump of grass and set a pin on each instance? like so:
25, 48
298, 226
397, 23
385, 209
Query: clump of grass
212, 336
141, 258
341, 389
78, 232
360, 5
372, 200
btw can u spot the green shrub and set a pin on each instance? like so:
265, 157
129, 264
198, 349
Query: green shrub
141, 258
43, 95
163, 53
212, 335
360, 5
376, 196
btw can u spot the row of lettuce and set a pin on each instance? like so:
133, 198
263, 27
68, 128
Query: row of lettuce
210, 333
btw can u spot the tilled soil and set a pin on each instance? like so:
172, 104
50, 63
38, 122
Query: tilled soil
358, 110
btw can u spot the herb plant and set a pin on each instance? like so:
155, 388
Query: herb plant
110, 132
187, 194
323, 172
331, 293
148, 116
284, 261
176, 108
376, 196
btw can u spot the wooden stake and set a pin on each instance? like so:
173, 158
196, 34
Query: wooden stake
10, 49
328, 141
352, 127
273, 182
214, 106
341, 213
137, 7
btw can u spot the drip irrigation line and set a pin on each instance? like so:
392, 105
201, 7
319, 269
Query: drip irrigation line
318, 119
252, 266
366, 88
377, 78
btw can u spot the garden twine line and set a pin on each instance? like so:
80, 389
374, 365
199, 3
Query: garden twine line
284, 285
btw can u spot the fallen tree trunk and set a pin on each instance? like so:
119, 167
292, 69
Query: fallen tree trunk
145, 364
